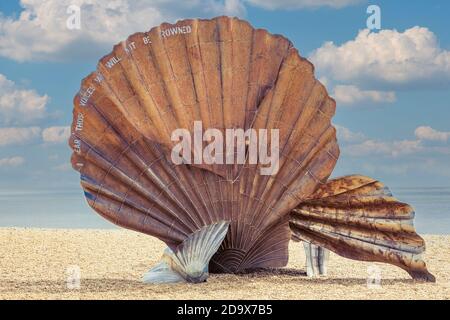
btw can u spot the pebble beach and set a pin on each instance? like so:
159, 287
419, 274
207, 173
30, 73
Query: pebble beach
109, 264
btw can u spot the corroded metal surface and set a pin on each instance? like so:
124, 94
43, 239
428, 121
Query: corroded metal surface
357, 217
226, 74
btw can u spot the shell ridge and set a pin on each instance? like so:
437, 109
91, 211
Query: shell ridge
350, 188
383, 232
198, 248
257, 167
243, 178
153, 177
288, 138
283, 61
124, 177
386, 245
168, 97
209, 114
145, 87
373, 217
183, 120
257, 250
225, 187
304, 164
112, 164
106, 83
166, 190
266, 212
128, 72
201, 196
162, 273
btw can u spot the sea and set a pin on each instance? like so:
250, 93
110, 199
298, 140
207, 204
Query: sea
68, 209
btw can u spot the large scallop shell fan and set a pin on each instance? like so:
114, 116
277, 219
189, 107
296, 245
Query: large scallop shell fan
227, 75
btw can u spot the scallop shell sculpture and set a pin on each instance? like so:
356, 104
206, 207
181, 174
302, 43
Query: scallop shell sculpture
358, 218
224, 74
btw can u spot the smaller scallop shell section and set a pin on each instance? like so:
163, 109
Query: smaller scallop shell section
357, 217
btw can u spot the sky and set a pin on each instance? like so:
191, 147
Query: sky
392, 85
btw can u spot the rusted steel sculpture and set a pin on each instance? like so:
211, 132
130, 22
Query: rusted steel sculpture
224, 74
358, 218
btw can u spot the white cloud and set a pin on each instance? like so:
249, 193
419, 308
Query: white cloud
386, 59
40, 32
56, 134
18, 136
229, 7
298, 4
19, 105
350, 94
346, 135
391, 148
14, 136
428, 133
356, 144
11, 162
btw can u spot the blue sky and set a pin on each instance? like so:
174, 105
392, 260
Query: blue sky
393, 113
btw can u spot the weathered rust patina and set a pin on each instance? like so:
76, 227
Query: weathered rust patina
358, 218
228, 75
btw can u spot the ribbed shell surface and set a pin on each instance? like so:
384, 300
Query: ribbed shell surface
227, 75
